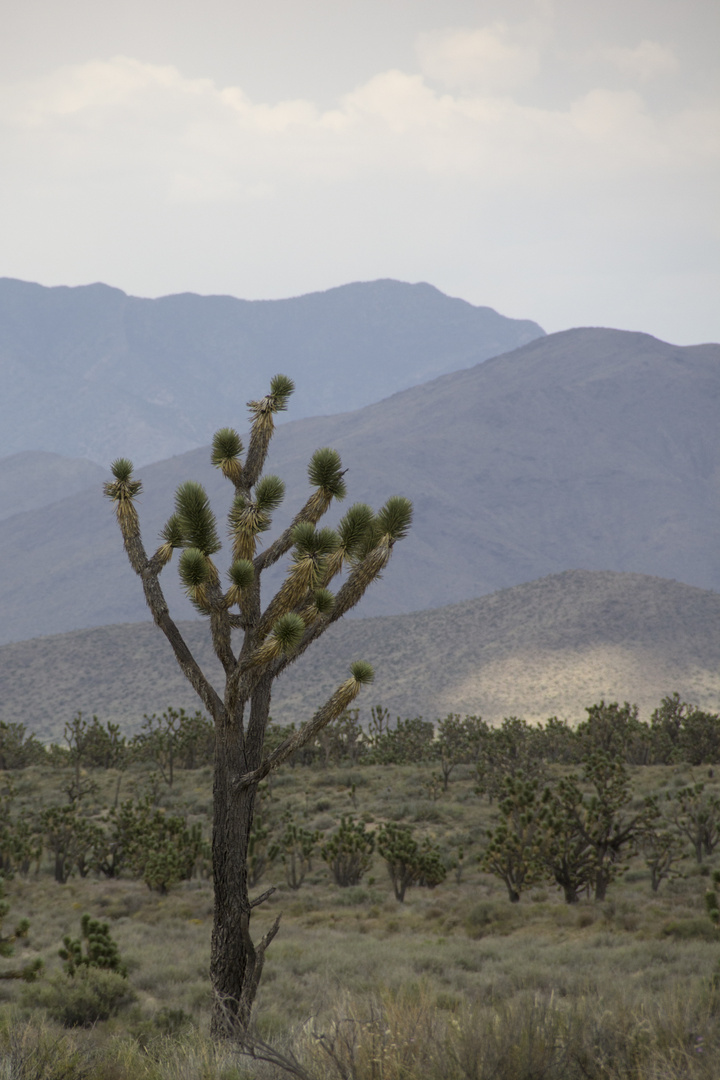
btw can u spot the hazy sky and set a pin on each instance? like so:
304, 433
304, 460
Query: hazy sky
555, 159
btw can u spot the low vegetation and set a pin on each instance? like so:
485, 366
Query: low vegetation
457, 901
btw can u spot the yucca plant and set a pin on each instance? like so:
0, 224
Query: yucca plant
356, 552
95, 948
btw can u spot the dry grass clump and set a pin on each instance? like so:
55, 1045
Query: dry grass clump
398, 1036
40, 1051
404, 1035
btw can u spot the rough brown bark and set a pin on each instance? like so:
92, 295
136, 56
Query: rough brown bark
231, 949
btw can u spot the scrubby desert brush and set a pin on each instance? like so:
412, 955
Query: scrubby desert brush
463, 943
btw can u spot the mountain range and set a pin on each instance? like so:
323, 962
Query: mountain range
550, 647
90, 372
589, 449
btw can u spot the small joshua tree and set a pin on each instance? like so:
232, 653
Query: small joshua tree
512, 853
588, 836
348, 852
662, 848
408, 862
453, 744
695, 814
271, 639
295, 848
95, 948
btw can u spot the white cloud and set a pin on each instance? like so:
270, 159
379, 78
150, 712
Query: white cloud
200, 142
468, 186
649, 60
484, 58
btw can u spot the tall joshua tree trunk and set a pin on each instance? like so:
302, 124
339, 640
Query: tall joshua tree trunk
354, 553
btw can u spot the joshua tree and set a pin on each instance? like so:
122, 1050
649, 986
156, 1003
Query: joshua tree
588, 836
513, 851
270, 640
408, 862
348, 852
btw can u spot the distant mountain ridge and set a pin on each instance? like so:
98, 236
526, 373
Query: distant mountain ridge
32, 480
550, 647
592, 449
91, 372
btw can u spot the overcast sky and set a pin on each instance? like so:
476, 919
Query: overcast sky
554, 159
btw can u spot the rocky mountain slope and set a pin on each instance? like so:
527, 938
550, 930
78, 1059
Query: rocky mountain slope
592, 449
550, 647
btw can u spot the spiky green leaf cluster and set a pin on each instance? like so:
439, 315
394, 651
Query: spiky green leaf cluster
269, 493
325, 471
172, 532
242, 573
366, 541
195, 518
246, 521
226, 446
310, 541
123, 488
235, 514
226, 449
354, 527
195, 570
122, 469
303, 537
171, 537
362, 672
287, 631
281, 387
323, 601
319, 604
395, 517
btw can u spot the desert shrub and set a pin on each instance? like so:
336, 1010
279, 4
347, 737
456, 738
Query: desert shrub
93, 994
487, 917
689, 929
17, 748
171, 1021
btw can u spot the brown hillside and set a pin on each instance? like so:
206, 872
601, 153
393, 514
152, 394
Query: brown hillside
549, 647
